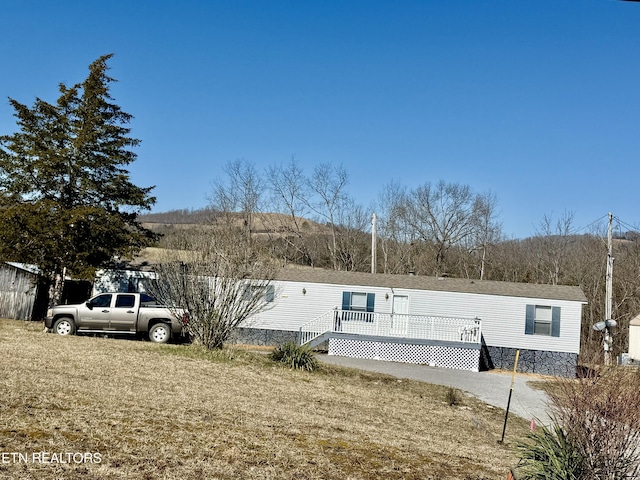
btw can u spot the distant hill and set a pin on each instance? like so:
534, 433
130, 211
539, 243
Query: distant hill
184, 216
262, 222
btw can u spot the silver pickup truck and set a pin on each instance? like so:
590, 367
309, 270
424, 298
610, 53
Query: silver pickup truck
119, 313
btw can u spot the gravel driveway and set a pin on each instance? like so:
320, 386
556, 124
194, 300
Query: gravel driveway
491, 387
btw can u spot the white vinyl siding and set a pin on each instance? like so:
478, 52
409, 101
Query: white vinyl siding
297, 303
502, 316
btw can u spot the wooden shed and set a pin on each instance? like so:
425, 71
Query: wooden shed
22, 294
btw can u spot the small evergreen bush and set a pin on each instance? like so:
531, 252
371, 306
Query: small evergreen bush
295, 357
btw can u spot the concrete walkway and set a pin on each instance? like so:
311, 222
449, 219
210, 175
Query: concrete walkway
491, 387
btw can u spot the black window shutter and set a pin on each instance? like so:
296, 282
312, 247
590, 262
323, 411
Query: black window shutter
555, 321
529, 326
346, 300
270, 295
371, 299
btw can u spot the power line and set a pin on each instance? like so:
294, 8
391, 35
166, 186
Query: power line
619, 222
577, 230
626, 225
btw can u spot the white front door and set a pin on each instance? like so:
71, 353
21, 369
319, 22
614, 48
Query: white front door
400, 314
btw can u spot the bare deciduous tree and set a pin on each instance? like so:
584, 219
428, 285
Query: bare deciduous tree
444, 215
242, 192
485, 233
353, 249
328, 184
393, 233
219, 279
289, 196
553, 245
488, 231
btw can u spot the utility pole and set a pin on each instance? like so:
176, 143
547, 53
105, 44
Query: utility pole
374, 242
608, 310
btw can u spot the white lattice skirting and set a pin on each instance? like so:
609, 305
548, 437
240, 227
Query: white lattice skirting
433, 355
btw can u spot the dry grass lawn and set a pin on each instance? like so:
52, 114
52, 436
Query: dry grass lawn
177, 412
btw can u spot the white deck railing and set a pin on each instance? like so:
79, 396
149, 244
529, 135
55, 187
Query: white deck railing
466, 330
316, 327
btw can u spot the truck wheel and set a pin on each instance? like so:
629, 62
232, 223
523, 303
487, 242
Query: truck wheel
64, 326
160, 333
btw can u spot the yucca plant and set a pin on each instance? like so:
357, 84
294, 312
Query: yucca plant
295, 357
550, 454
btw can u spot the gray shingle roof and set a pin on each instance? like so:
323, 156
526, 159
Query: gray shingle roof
417, 282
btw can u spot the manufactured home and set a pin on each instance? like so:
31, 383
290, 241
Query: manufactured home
449, 322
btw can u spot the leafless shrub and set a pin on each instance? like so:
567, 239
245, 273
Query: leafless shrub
219, 280
600, 413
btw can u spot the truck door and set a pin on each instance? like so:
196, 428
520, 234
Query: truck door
94, 315
124, 313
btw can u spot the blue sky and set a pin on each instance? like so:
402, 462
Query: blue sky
537, 101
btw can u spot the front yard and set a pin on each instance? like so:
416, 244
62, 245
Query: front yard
96, 408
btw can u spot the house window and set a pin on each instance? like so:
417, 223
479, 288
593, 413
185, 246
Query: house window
542, 320
252, 290
358, 302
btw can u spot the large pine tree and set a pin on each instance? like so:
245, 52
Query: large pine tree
66, 199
